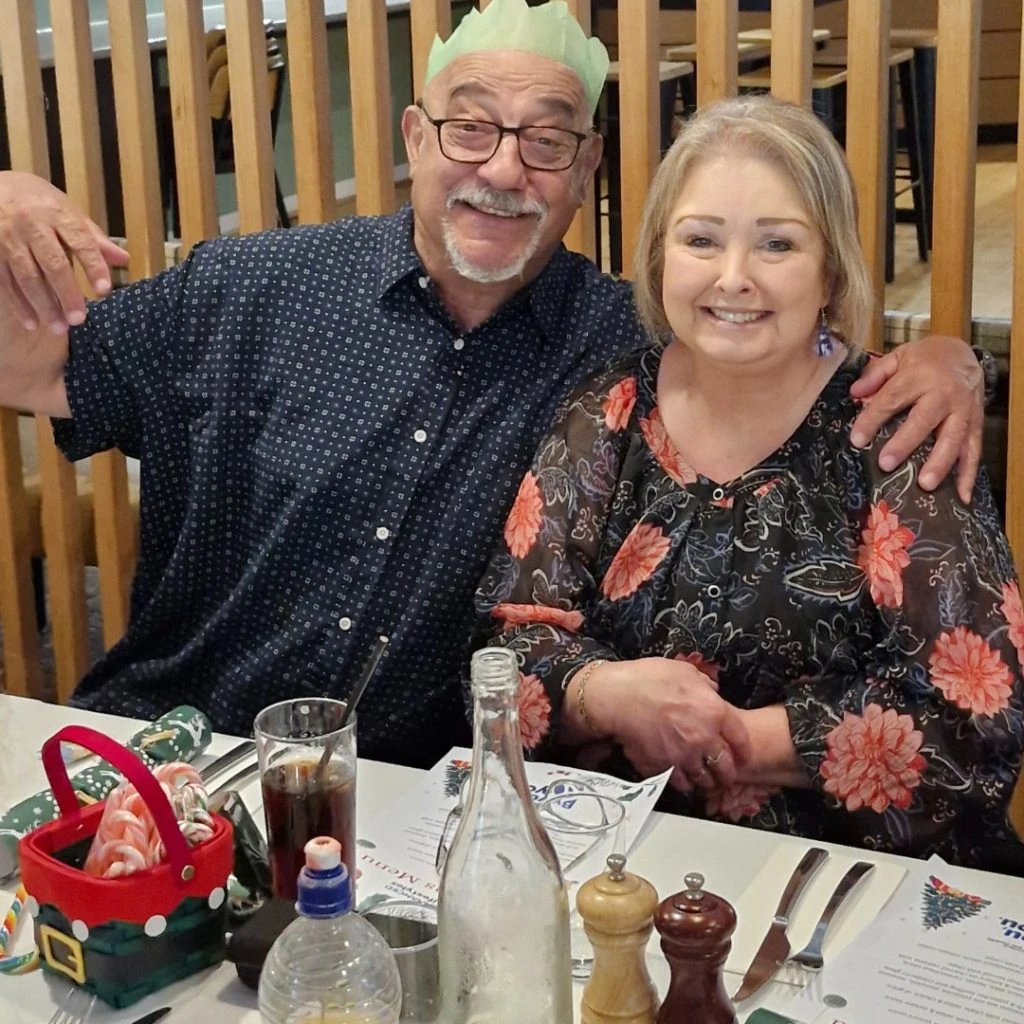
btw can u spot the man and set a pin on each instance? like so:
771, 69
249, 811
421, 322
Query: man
332, 420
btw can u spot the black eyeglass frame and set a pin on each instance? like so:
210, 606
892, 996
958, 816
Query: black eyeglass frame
503, 130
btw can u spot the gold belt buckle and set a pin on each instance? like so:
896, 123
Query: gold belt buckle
74, 968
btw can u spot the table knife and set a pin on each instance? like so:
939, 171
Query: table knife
153, 1016
774, 947
225, 761
236, 780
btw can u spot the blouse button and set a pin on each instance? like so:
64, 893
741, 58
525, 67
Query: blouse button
422, 282
714, 590
344, 623
383, 533
459, 344
420, 436
718, 493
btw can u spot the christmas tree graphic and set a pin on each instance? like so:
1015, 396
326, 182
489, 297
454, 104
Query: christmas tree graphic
945, 905
455, 774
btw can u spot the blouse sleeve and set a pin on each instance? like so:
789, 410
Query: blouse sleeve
927, 732
538, 592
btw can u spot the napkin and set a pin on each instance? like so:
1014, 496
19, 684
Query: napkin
180, 735
757, 906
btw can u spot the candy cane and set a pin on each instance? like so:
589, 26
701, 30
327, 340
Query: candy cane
127, 839
25, 962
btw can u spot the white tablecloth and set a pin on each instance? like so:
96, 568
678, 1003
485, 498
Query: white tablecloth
729, 857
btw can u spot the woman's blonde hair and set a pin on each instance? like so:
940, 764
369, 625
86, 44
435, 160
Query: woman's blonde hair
796, 141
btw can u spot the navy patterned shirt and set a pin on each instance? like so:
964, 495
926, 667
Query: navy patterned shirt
326, 457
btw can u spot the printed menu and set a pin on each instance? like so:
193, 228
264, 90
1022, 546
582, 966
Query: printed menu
397, 853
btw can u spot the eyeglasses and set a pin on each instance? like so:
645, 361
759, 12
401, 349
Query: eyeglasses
475, 142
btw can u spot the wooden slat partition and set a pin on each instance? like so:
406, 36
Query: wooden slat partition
428, 18
143, 212
368, 68
310, 85
250, 115
62, 531
23, 93
792, 49
190, 111
716, 43
582, 234
956, 127
639, 114
83, 164
1015, 426
867, 136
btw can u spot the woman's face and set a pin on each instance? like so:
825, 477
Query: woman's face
744, 279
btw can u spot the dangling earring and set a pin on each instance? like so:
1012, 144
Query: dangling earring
825, 343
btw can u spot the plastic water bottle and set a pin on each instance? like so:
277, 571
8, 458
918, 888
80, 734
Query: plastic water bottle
329, 966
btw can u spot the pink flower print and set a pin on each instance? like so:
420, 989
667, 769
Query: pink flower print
619, 404
523, 523
635, 561
969, 673
882, 555
534, 711
873, 760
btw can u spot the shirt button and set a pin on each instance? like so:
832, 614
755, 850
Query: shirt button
344, 623
718, 494
459, 343
420, 436
423, 282
383, 533
714, 590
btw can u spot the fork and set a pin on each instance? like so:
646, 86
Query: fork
76, 1009
811, 959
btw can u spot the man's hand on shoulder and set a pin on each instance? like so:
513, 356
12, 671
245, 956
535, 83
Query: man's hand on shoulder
41, 233
940, 381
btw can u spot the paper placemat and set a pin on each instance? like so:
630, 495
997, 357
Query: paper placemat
760, 899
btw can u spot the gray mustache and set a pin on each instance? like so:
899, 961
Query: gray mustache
496, 200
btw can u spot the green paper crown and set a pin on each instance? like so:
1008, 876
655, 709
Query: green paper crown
548, 31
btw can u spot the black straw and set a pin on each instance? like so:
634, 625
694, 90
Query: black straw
353, 700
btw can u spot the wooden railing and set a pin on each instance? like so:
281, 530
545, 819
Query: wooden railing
306, 29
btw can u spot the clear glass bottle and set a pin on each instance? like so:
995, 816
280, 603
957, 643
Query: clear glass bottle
329, 966
503, 911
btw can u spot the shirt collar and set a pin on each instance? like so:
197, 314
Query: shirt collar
545, 294
398, 256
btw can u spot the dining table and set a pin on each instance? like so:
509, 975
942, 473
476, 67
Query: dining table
730, 857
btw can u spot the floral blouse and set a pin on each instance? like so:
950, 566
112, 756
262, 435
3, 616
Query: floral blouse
887, 620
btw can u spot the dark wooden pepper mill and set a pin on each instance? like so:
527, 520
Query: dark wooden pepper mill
696, 930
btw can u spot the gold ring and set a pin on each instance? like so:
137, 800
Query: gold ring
709, 761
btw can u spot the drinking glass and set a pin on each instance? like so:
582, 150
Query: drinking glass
301, 802
575, 809
410, 929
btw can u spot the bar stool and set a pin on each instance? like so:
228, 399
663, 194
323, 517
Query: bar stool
901, 78
828, 93
924, 42
671, 75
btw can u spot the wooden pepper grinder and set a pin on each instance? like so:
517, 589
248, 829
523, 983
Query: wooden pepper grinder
617, 908
696, 929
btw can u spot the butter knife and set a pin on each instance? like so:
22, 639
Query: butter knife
774, 948
225, 761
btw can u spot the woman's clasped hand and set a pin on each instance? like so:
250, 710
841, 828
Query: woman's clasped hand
677, 720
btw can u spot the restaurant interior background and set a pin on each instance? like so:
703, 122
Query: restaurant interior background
99, 71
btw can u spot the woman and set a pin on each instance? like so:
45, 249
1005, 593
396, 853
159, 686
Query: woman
702, 573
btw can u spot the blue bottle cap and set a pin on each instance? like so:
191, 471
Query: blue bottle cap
324, 889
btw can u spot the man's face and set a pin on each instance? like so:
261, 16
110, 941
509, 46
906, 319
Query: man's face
497, 220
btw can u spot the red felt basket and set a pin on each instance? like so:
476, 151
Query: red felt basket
123, 938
